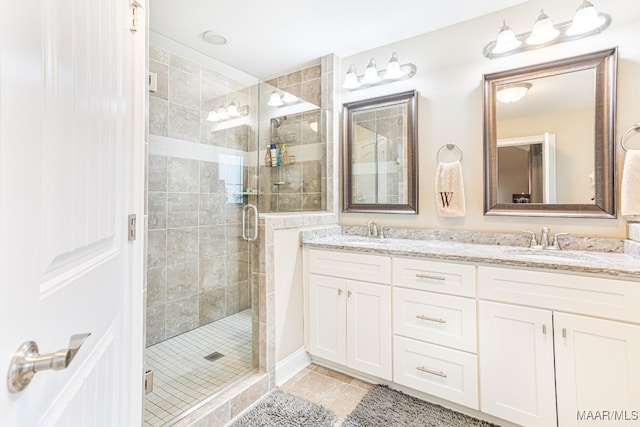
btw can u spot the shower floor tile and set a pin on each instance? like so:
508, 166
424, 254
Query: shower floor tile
182, 377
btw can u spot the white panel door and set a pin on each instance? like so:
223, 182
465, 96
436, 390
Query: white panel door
516, 364
597, 371
328, 318
71, 169
369, 328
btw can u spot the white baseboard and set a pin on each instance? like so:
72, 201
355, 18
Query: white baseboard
291, 365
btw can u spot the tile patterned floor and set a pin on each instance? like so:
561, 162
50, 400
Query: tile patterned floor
183, 377
335, 391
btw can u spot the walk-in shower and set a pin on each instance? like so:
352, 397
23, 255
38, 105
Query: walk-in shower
207, 179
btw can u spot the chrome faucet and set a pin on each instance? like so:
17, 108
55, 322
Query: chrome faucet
373, 230
544, 240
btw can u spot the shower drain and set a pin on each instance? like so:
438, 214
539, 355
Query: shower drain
214, 356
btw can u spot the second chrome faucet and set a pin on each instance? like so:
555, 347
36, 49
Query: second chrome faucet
544, 240
373, 230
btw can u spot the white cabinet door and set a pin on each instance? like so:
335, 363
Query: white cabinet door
516, 364
597, 370
369, 328
327, 318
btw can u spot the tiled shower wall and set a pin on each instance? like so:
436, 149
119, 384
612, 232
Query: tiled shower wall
197, 261
302, 182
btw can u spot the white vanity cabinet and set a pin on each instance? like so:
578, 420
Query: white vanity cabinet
434, 325
350, 320
542, 366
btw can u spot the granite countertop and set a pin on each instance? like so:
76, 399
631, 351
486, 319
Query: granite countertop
609, 263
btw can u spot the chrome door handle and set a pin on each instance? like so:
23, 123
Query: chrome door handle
26, 362
245, 208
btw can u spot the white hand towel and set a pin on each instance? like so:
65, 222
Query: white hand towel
629, 191
450, 189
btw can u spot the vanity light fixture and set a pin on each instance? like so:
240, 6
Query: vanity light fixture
587, 21
543, 31
280, 100
233, 111
512, 93
373, 77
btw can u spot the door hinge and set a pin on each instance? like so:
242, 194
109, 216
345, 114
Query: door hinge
133, 17
148, 382
132, 227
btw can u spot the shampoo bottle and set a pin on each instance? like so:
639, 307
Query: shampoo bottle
274, 155
285, 154
267, 157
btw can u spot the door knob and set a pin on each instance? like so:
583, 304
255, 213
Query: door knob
26, 361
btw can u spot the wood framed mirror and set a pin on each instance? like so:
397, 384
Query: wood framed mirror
563, 119
380, 155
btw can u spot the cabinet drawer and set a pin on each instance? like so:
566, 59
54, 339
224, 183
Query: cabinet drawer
448, 278
442, 372
593, 296
362, 267
440, 319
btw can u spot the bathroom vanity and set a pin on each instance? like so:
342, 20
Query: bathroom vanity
537, 338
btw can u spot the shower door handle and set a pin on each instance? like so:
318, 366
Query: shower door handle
246, 208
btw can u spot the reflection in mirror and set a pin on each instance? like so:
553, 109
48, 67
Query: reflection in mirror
380, 161
549, 138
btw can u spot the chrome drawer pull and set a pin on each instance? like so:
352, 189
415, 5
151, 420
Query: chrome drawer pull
430, 319
429, 371
429, 276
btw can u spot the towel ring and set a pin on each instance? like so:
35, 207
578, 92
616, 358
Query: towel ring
624, 138
450, 146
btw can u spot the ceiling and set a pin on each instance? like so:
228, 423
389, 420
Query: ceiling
271, 38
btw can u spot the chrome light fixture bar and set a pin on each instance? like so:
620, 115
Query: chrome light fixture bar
233, 111
373, 77
587, 21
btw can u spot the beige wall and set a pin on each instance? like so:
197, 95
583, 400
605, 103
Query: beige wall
449, 80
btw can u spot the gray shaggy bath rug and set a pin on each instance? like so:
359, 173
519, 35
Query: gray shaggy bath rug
382, 406
279, 409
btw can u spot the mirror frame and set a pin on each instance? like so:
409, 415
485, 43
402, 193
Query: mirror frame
605, 64
410, 98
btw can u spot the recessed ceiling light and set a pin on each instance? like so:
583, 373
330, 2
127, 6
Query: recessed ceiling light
215, 37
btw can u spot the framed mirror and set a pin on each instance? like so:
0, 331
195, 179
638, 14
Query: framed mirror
380, 155
549, 138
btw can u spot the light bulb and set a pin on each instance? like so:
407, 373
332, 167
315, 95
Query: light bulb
351, 79
371, 75
543, 31
288, 98
506, 40
213, 116
275, 100
222, 113
393, 68
232, 110
586, 19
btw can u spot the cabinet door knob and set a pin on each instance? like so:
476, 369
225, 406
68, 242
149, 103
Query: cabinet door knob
348, 294
564, 332
544, 329
339, 291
